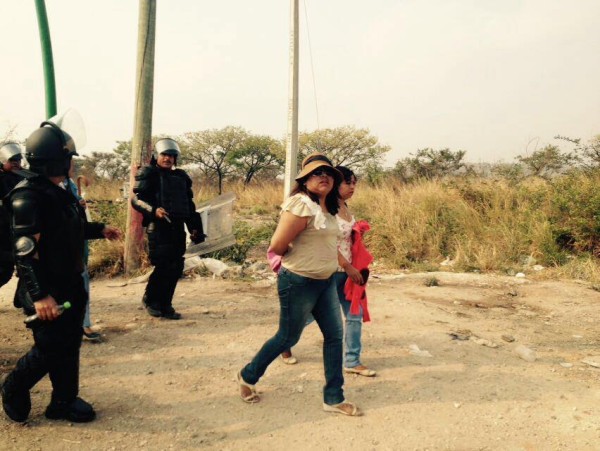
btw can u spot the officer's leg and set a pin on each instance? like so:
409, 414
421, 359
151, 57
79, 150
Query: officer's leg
175, 269
64, 369
174, 274
155, 288
28, 371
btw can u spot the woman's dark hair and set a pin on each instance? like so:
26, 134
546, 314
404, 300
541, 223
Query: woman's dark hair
331, 201
347, 173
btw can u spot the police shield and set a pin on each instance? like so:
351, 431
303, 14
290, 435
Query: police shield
217, 220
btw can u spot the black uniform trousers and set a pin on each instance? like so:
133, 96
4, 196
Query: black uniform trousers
166, 246
56, 347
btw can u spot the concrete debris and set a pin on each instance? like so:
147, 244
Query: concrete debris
413, 349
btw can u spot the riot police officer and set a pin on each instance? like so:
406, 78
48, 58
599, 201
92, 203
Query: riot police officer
163, 194
10, 166
48, 229
10, 161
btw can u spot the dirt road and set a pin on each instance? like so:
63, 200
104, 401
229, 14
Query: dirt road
160, 384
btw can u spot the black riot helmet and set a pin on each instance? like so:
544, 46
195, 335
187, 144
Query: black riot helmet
50, 148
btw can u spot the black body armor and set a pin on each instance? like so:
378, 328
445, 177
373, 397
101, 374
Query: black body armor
171, 190
37, 206
8, 180
174, 193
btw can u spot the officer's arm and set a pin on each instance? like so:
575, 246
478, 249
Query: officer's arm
94, 230
194, 222
144, 193
26, 227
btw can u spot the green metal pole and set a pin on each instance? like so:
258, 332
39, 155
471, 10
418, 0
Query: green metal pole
47, 60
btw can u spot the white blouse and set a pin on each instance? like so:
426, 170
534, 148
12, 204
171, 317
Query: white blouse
345, 237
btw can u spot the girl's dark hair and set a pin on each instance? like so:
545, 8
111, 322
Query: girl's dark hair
347, 173
331, 201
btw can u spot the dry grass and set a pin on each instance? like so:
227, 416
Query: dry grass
258, 199
476, 224
485, 227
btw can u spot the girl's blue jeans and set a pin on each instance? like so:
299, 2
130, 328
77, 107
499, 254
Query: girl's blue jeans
353, 324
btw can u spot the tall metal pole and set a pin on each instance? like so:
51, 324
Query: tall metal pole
47, 60
141, 146
291, 147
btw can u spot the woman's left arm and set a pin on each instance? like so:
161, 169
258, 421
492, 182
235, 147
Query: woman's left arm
352, 272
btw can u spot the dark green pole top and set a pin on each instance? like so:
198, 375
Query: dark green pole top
47, 60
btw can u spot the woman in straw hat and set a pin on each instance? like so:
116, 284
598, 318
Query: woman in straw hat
305, 244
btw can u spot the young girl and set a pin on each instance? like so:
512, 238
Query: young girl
346, 221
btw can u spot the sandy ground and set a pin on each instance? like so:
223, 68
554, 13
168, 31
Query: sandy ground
160, 384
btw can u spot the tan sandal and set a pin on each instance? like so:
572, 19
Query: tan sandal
345, 408
247, 392
361, 370
288, 358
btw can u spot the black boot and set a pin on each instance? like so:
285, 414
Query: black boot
16, 402
151, 310
77, 411
170, 313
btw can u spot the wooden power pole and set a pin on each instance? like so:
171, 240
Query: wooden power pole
141, 147
291, 146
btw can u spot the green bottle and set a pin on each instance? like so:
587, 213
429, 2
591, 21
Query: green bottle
61, 308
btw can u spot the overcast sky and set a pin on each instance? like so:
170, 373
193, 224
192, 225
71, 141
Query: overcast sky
496, 78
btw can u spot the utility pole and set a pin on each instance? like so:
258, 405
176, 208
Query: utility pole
141, 146
47, 60
291, 146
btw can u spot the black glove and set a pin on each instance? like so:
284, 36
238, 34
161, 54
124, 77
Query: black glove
197, 237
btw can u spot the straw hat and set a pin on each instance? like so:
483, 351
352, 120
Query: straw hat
314, 161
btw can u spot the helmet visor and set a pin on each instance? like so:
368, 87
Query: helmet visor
71, 124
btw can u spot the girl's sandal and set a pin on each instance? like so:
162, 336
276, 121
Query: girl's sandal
247, 392
361, 370
345, 408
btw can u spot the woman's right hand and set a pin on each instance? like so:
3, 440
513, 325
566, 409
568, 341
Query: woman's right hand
274, 261
354, 274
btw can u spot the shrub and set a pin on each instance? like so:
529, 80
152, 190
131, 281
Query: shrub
247, 237
575, 213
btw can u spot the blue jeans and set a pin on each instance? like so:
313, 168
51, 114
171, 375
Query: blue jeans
86, 283
299, 297
353, 324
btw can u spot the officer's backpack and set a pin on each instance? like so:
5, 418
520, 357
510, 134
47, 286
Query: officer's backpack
7, 261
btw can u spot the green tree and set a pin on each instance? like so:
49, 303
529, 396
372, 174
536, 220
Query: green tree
374, 173
348, 146
430, 164
513, 172
258, 154
547, 162
587, 155
112, 165
213, 150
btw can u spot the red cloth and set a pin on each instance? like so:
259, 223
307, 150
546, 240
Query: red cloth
361, 259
